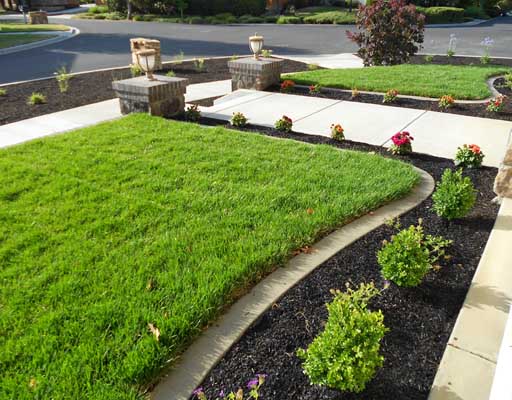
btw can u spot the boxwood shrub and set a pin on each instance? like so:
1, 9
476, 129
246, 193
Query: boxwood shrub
442, 15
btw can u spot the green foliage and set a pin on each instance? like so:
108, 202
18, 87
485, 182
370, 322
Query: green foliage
464, 82
442, 15
135, 70
508, 80
333, 17
98, 10
429, 58
199, 64
62, 78
238, 119
313, 67
410, 255
236, 7
475, 12
3, 92
289, 19
389, 32
153, 221
346, 355
36, 98
455, 195
170, 74
469, 156
284, 124
192, 113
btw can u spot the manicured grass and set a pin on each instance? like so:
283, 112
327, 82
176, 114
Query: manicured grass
462, 82
16, 40
16, 26
146, 221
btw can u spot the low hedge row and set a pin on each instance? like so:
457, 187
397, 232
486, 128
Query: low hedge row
442, 15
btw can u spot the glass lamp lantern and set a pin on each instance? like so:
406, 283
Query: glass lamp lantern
256, 43
146, 59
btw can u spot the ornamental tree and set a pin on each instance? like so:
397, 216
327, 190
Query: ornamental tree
390, 32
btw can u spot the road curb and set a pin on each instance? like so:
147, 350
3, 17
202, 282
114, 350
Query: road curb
61, 36
197, 361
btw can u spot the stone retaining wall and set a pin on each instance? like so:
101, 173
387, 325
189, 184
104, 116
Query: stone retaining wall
503, 182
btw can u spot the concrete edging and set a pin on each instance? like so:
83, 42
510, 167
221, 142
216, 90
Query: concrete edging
61, 36
467, 369
204, 353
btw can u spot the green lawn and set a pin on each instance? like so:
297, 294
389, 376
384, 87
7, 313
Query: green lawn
15, 26
462, 82
147, 221
16, 40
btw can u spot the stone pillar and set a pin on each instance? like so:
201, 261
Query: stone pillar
249, 73
37, 17
138, 44
503, 182
163, 97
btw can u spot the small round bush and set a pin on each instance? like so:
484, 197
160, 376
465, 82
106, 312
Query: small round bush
36, 98
409, 256
238, 119
455, 195
346, 355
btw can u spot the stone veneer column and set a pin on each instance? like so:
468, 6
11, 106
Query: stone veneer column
164, 96
249, 73
138, 44
37, 17
503, 182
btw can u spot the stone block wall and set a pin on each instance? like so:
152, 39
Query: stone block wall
249, 73
503, 182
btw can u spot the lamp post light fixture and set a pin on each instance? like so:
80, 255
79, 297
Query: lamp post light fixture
146, 60
256, 43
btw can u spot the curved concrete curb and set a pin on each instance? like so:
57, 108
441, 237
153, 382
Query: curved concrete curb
61, 36
193, 366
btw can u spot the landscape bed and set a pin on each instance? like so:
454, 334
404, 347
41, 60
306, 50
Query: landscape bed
116, 240
470, 109
92, 87
420, 319
17, 40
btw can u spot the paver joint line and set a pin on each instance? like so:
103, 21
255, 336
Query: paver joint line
472, 353
212, 345
406, 125
317, 111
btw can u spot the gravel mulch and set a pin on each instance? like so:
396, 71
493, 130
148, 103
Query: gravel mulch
93, 87
420, 319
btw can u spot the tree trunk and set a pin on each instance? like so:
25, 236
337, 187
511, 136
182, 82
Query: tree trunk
129, 9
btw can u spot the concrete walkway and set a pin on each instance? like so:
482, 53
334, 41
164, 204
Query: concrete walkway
435, 133
467, 369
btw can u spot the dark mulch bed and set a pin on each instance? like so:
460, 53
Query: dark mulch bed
500, 86
420, 319
93, 87
472, 110
458, 60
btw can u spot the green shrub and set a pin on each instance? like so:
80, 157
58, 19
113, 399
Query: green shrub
62, 78
442, 15
98, 10
170, 74
100, 16
36, 98
346, 355
286, 19
135, 70
271, 19
236, 7
192, 113
3, 92
238, 119
475, 12
409, 256
455, 195
332, 17
196, 20
250, 19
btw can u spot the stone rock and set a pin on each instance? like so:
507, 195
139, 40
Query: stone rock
164, 96
503, 182
249, 73
37, 17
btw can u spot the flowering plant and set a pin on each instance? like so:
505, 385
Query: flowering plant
390, 96
402, 143
496, 104
287, 86
238, 119
253, 385
446, 101
469, 155
192, 113
337, 132
284, 124
487, 43
315, 89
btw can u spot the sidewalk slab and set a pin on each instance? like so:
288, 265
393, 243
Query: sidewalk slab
373, 125
440, 134
266, 110
342, 60
470, 357
207, 90
502, 386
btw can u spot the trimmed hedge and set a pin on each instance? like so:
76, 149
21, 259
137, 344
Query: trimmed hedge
236, 7
332, 17
442, 15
